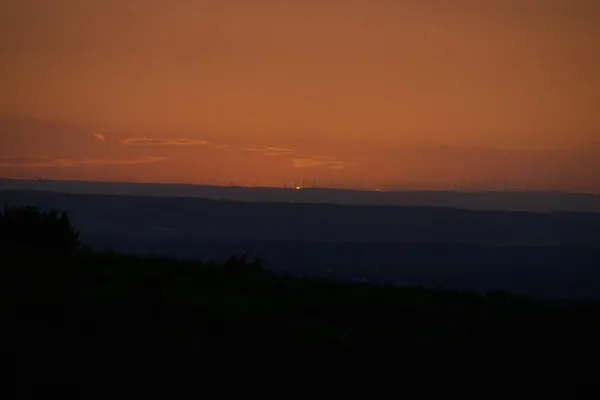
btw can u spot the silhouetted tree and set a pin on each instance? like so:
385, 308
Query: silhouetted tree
29, 229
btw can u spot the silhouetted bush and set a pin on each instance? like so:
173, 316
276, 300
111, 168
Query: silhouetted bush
30, 230
240, 265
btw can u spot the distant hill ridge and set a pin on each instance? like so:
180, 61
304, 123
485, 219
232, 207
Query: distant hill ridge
198, 218
510, 201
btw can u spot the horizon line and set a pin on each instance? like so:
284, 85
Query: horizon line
291, 187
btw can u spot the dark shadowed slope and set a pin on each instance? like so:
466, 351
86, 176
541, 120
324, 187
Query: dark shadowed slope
542, 254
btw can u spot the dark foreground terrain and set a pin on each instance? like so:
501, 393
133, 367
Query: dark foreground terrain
74, 317
68, 319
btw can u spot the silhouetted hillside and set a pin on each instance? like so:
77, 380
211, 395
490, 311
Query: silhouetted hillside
139, 317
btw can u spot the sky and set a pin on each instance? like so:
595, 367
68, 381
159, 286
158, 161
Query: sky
485, 94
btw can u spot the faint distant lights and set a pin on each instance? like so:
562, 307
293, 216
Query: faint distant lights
304, 184
483, 186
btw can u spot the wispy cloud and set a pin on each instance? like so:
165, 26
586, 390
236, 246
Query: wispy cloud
299, 162
47, 162
270, 151
99, 136
320, 161
149, 141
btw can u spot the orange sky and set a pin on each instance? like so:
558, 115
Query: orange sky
362, 93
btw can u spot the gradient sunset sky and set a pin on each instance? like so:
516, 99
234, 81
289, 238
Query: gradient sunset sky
359, 93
